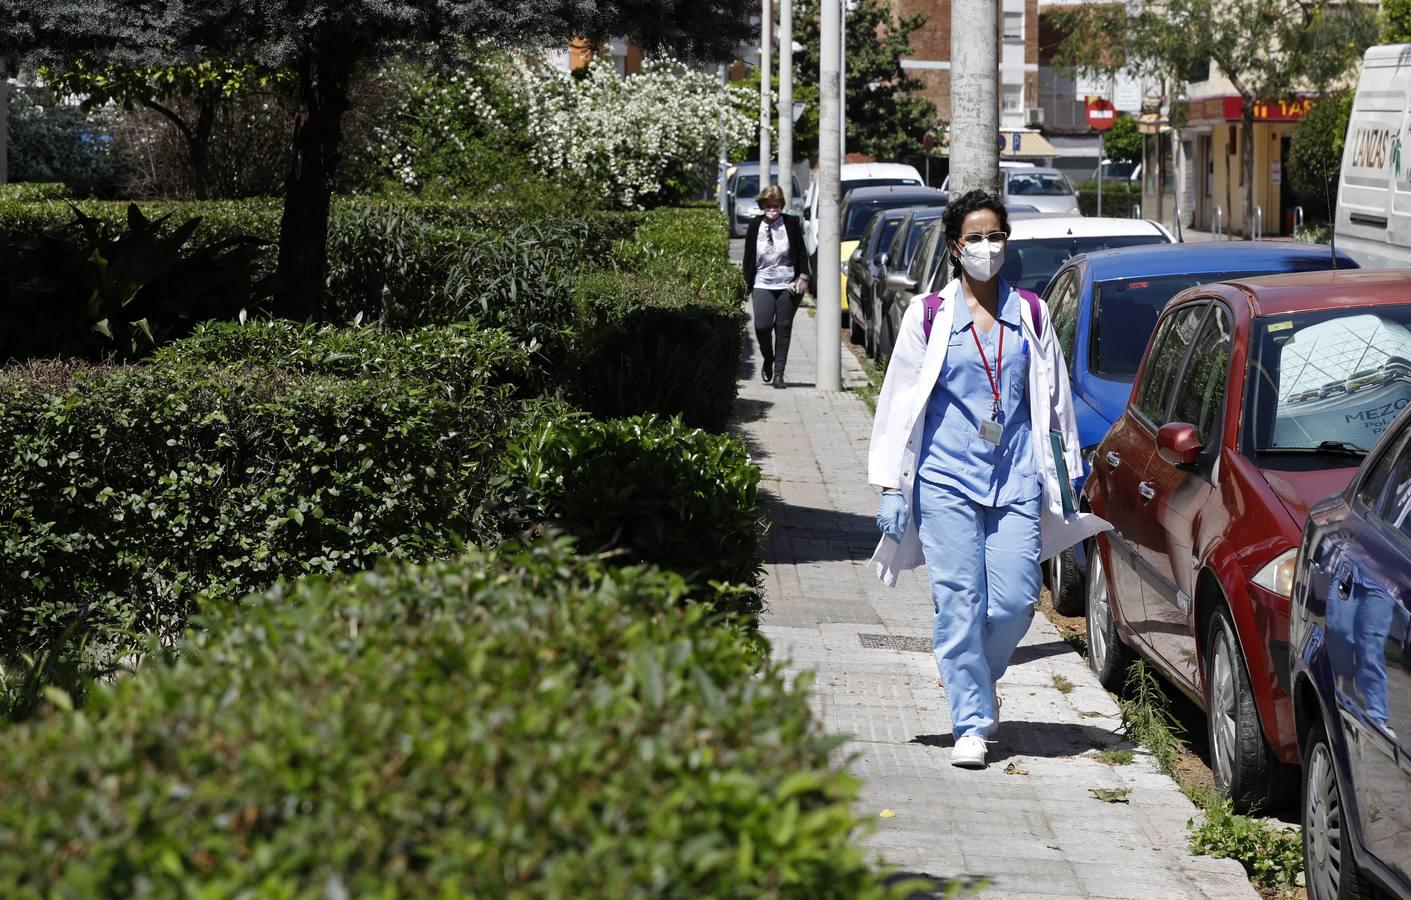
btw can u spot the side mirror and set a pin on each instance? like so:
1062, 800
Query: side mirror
1178, 444
901, 283
882, 260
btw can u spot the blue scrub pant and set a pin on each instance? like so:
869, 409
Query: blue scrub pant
983, 562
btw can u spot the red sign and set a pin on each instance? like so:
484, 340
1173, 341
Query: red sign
1101, 113
1230, 108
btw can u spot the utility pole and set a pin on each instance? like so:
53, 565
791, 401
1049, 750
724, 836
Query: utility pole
765, 72
842, 81
786, 100
974, 96
830, 314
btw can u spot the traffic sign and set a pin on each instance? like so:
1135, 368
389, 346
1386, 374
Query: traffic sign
1101, 113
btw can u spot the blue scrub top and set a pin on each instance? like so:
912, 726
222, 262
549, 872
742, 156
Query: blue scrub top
956, 455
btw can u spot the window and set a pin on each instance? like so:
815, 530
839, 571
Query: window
1396, 504
1013, 97
884, 240
1014, 26
1063, 310
1169, 347
921, 256
1200, 391
1029, 263
1376, 478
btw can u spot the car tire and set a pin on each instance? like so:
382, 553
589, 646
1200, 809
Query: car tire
1329, 861
1066, 585
856, 333
1108, 657
884, 342
1240, 759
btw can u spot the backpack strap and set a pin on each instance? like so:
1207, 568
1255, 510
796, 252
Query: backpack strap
1034, 318
932, 307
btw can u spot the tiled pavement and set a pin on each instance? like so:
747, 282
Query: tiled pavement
1029, 823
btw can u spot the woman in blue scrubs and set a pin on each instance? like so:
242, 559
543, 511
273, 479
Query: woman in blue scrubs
977, 491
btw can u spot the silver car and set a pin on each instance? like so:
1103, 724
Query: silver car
1047, 190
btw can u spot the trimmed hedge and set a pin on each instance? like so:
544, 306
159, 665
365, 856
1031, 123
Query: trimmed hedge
1118, 198
523, 723
128, 491
660, 492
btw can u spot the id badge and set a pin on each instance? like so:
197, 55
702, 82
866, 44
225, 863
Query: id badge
990, 431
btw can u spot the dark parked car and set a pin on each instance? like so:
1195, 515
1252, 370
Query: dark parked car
862, 270
1351, 634
862, 203
1104, 306
1207, 478
906, 243
925, 270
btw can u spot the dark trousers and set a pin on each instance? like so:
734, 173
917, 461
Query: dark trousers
774, 324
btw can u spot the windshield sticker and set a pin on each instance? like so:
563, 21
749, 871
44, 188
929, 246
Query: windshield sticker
1280, 326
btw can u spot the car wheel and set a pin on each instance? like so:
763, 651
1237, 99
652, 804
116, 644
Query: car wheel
1239, 757
856, 333
1329, 864
1065, 583
1107, 655
884, 342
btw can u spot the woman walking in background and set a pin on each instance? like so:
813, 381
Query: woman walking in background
973, 445
776, 270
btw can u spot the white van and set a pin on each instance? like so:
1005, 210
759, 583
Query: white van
851, 175
1373, 221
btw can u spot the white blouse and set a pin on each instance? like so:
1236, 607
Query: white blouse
774, 267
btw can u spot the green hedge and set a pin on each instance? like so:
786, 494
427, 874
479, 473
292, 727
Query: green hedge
523, 724
129, 491
661, 492
1118, 198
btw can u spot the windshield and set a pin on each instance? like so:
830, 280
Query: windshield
857, 216
1029, 263
747, 187
1339, 375
1126, 311
873, 182
1035, 184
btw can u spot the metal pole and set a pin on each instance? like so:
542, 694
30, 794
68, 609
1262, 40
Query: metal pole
766, 71
842, 81
1102, 157
830, 314
721, 162
974, 99
786, 100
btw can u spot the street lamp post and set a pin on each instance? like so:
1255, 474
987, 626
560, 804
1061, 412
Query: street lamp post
786, 99
830, 318
974, 96
765, 72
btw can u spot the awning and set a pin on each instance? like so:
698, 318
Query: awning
1024, 145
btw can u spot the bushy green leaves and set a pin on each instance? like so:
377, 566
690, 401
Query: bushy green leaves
524, 723
663, 493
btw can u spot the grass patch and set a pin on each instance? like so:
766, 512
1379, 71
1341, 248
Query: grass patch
1062, 685
1114, 757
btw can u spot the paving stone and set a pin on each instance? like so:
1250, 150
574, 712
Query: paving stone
1035, 831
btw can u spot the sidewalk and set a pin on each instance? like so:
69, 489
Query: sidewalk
1029, 824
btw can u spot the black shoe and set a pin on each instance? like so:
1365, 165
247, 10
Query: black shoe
779, 381
767, 371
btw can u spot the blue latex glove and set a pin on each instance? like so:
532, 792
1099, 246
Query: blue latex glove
891, 516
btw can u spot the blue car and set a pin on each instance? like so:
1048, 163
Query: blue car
1350, 631
1104, 306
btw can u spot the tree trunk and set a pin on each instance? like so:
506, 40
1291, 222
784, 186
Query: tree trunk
1160, 173
200, 146
1247, 152
303, 230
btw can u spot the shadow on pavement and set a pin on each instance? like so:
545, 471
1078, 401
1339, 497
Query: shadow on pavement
1053, 740
804, 534
1025, 653
926, 887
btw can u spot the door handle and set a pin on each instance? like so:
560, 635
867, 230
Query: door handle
1113, 460
1146, 490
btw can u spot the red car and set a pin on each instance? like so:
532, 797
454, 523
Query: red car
1207, 479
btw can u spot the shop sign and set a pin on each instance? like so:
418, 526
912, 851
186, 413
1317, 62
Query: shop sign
1230, 108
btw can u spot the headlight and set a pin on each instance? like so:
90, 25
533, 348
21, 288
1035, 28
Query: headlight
1277, 576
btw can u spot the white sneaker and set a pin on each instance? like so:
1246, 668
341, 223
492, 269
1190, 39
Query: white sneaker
968, 753
998, 704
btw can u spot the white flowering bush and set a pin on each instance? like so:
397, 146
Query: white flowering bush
634, 141
52, 139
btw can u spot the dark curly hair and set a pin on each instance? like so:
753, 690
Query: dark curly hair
954, 218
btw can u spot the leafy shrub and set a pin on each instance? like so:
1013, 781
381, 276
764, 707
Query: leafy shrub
522, 723
128, 491
661, 492
649, 347
77, 291
382, 264
688, 247
1315, 153
31, 191
53, 141
1118, 198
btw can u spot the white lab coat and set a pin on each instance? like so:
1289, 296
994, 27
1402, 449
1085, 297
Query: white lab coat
901, 415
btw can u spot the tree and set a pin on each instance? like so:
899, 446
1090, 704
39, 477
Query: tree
1123, 142
207, 87
886, 119
1268, 49
324, 45
1396, 22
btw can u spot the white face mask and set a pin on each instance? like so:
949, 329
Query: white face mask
982, 261
771, 214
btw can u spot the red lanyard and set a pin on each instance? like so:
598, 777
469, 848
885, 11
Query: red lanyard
999, 359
